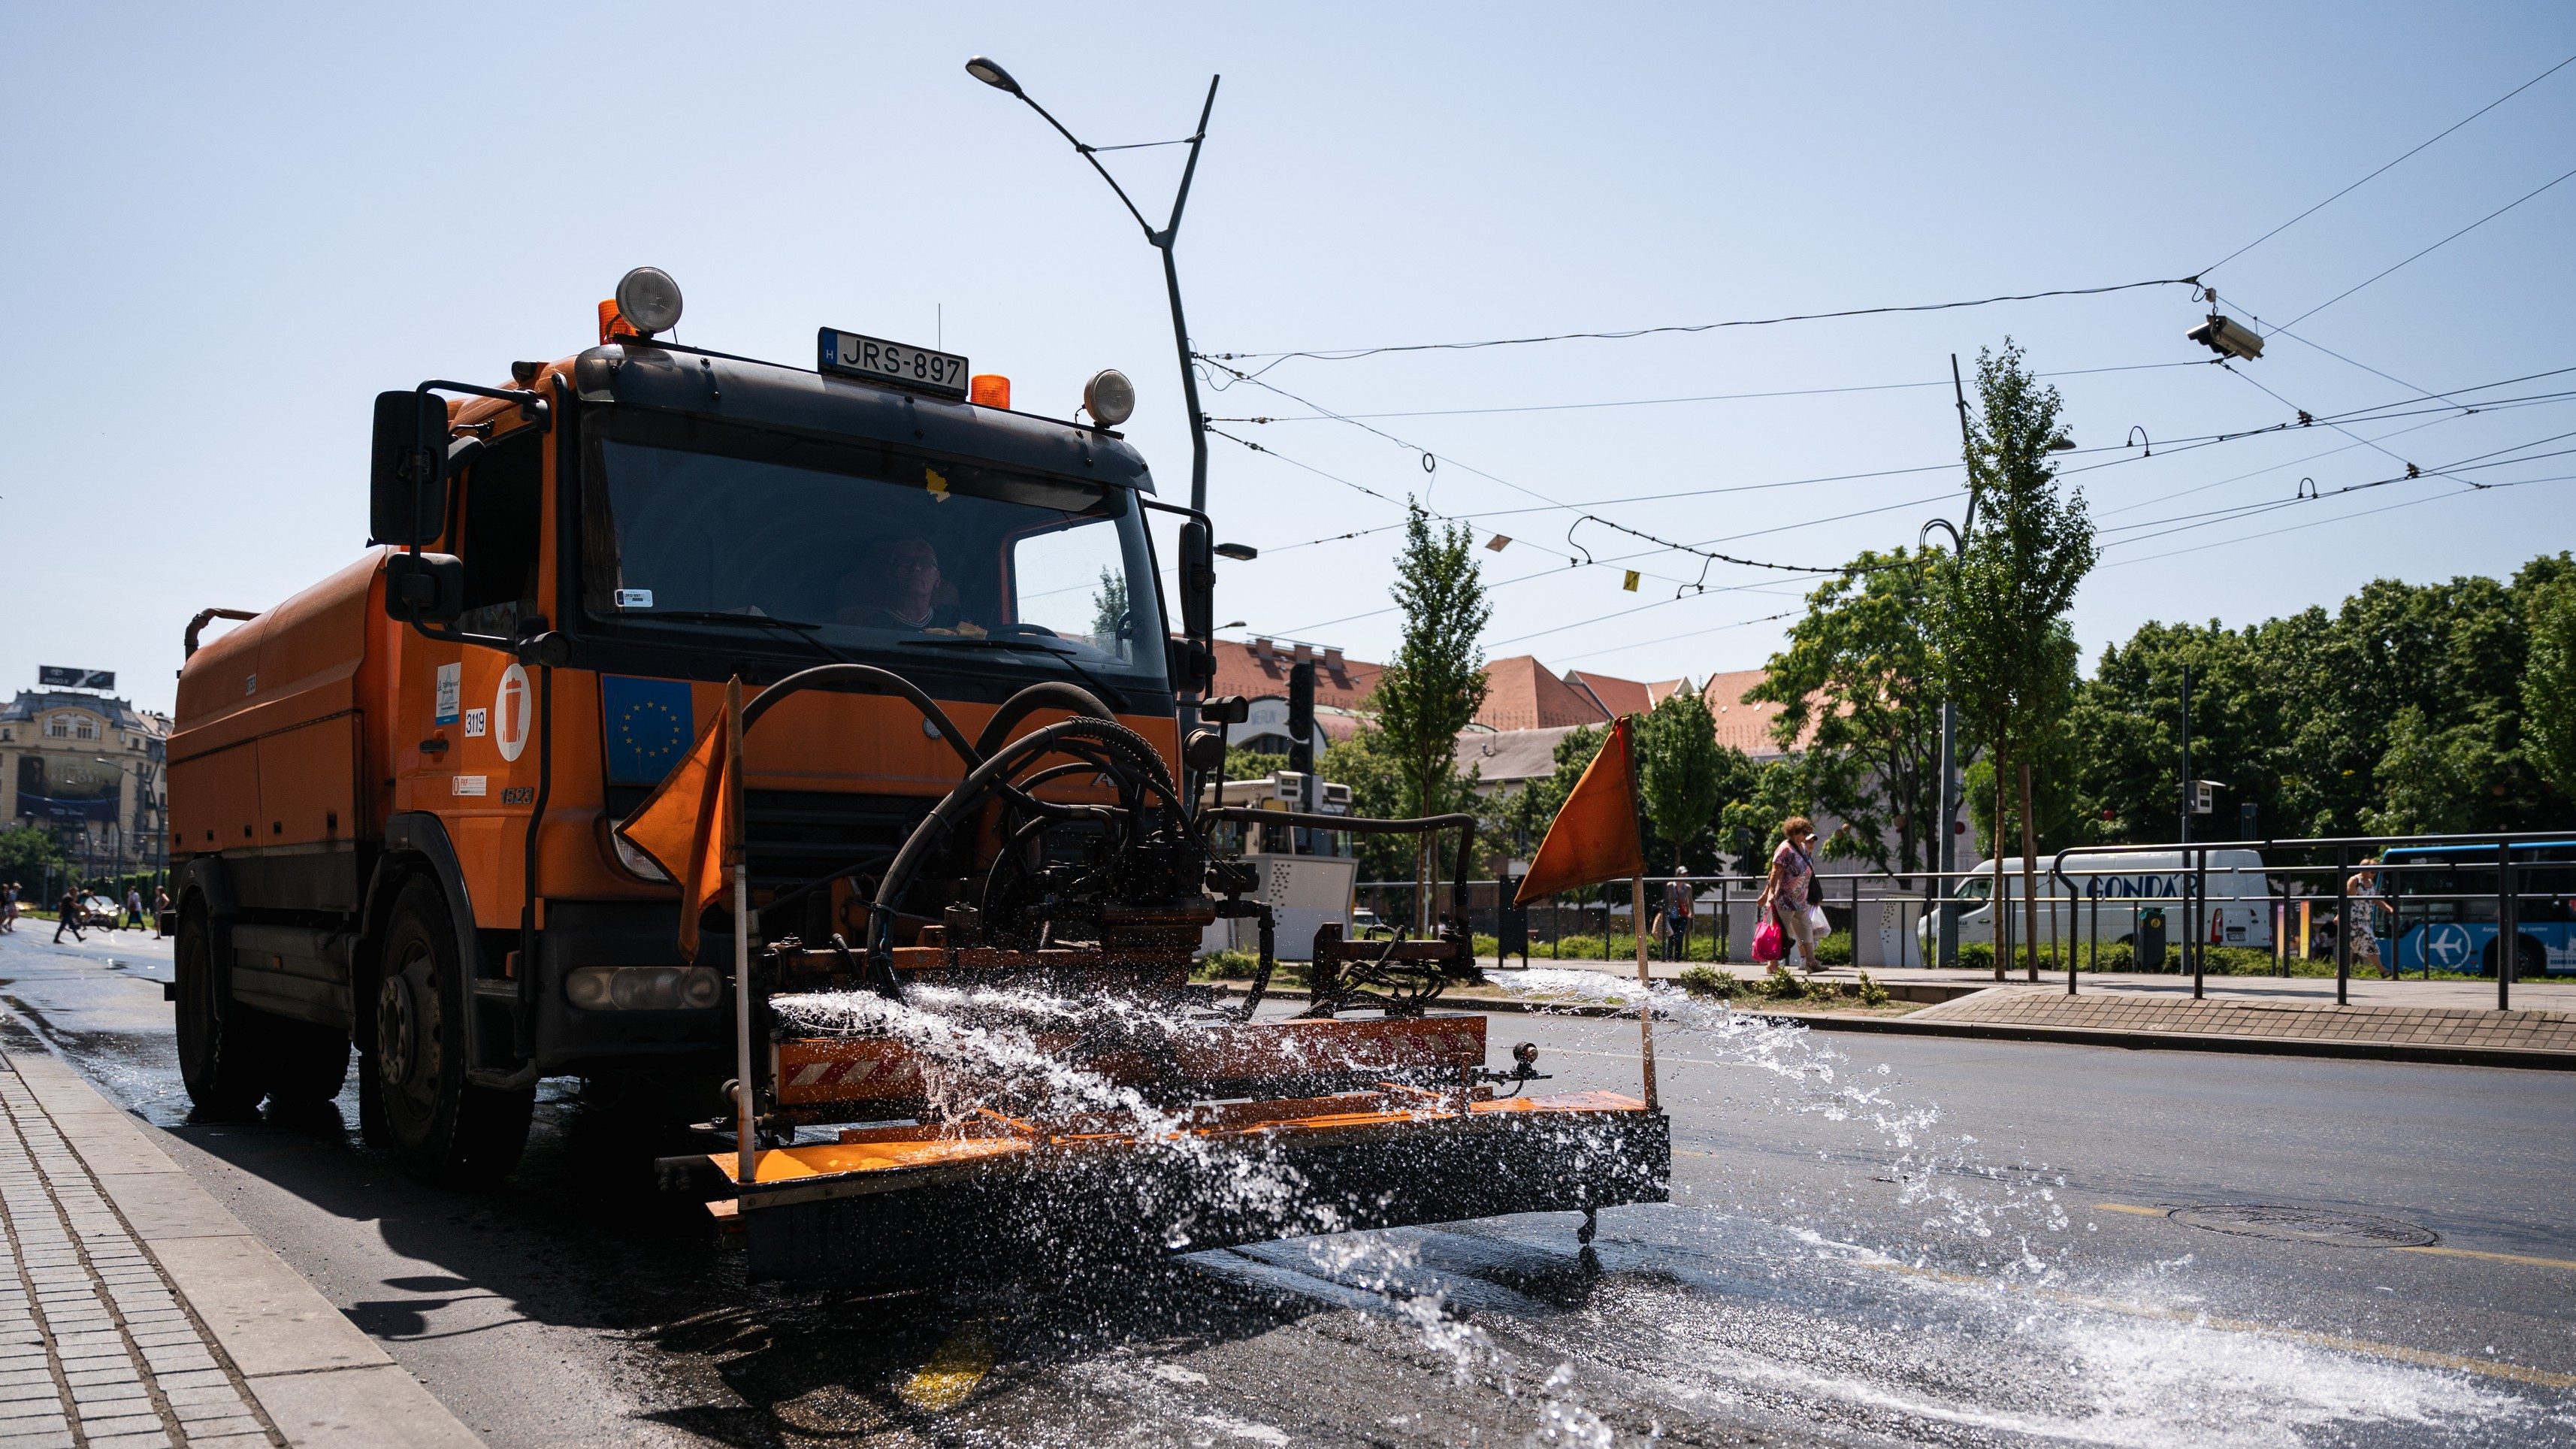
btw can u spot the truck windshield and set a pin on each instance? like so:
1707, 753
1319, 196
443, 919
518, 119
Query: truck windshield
861, 545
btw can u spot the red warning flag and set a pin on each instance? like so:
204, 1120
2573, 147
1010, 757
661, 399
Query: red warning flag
692, 825
1594, 836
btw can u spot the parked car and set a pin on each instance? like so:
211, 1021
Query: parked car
1364, 924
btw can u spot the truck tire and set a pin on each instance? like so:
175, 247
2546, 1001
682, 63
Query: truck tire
221, 1060
442, 1128
308, 1064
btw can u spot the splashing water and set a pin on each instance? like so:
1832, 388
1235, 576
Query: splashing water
1731, 1312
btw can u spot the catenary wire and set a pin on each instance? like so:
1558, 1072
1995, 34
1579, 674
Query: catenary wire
2322, 522
2375, 175
1645, 402
2446, 241
1346, 354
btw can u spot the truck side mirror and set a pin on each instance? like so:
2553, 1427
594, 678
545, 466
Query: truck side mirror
1198, 580
407, 472
427, 588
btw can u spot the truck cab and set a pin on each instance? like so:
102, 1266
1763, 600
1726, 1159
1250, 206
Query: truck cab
393, 794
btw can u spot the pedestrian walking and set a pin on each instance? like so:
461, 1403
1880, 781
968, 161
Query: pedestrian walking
160, 906
134, 908
1680, 908
68, 915
1663, 933
1784, 893
9, 908
2363, 890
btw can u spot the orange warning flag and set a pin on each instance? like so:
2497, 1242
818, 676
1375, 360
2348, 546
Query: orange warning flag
1594, 835
691, 826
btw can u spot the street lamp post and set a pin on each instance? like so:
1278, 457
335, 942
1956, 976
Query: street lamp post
999, 79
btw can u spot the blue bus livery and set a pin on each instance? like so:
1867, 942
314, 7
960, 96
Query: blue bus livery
2445, 900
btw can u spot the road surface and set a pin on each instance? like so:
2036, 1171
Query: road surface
1873, 1240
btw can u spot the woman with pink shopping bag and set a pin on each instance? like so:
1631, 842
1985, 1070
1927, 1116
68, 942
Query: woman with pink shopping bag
1784, 895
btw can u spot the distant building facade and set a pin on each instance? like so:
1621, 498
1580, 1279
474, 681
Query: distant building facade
92, 769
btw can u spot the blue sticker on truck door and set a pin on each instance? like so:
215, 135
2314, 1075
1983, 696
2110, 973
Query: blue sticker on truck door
649, 727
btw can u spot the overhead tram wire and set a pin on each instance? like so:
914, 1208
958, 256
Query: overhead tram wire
1347, 354
2446, 241
2322, 522
1645, 402
1383, 498
2473, 463
2372, 412
2375, 175
1685, 634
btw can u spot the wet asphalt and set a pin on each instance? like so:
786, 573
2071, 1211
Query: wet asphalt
1872, 1240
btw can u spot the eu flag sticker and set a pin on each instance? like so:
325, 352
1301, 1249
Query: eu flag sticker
649, 727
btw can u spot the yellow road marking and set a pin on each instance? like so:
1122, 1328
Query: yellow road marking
952, 1373
2488, 1367
2524, 1259
2496, 1257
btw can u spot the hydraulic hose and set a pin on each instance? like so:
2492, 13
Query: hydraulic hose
994, 774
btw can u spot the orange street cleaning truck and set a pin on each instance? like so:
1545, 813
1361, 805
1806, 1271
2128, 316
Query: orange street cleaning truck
423, 810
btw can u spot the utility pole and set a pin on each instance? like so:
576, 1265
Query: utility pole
2187, 801
1946, 853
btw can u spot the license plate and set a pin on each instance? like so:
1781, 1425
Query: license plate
895, 363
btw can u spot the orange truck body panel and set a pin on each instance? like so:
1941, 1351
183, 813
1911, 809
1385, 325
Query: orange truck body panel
301, 733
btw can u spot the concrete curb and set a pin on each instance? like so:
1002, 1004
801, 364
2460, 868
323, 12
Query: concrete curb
320, 1379
2194, 1041
2274, 1046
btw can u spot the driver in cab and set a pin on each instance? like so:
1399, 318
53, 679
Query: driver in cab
897, 588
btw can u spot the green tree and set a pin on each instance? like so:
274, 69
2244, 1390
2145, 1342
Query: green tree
25, 852
1678, 768
1755, 799
1109, 610
1245, 763
1435, 684
2128, 772
1860, 668
2549, 685
2430, 777
2007, 654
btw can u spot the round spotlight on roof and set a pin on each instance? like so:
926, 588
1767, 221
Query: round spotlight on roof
1109, 397
991, 74
649, 300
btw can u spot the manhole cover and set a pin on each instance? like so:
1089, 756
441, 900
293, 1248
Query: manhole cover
2307, 1225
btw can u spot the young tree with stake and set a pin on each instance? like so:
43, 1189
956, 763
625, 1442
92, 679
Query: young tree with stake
2007, 654
1436, 682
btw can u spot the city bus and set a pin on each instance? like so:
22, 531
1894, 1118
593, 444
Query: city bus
2445, 901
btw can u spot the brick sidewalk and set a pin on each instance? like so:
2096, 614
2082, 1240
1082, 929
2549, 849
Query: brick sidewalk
136, 1311
93, 1340
2390, 1026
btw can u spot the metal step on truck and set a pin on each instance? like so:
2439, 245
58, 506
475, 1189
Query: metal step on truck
965, 786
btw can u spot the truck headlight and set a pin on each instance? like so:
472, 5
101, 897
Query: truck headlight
637, 863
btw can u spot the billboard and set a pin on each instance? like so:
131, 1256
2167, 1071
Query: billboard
64, 788
55, 676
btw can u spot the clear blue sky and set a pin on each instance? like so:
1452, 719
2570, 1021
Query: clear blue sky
225, 230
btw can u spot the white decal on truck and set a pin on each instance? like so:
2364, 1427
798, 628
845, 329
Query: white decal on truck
451, 693
512, 704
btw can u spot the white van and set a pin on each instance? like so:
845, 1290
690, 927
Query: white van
2121, 886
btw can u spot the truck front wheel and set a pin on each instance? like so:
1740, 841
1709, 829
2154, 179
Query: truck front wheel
442, 1128
220, 1059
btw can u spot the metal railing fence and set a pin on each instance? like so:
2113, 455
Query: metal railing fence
2302, 889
